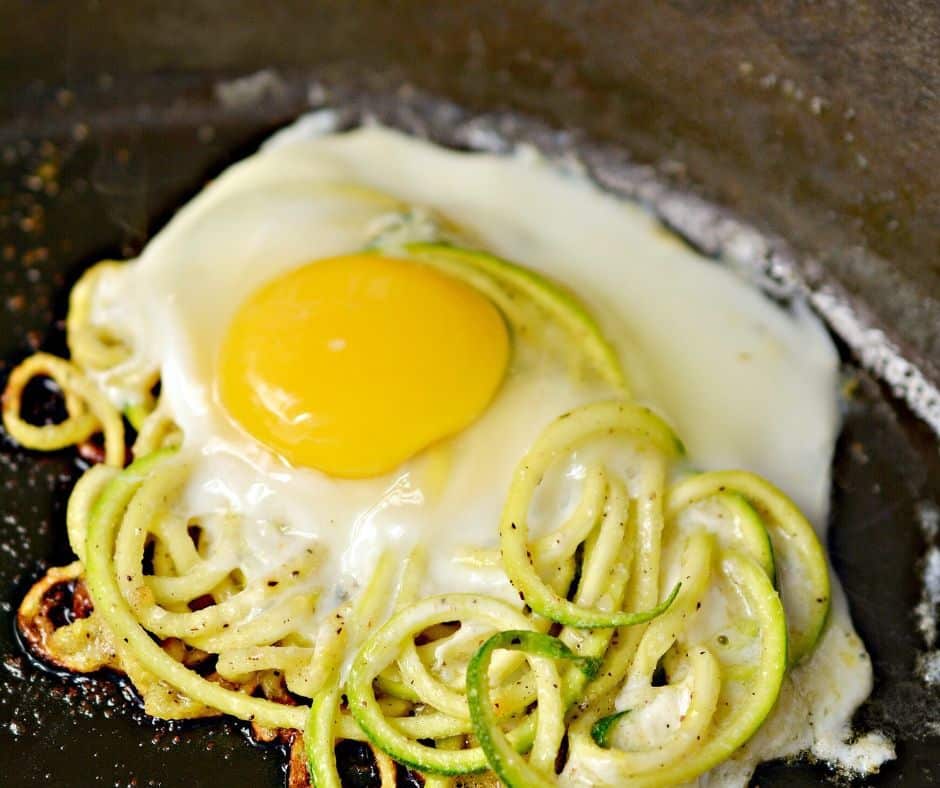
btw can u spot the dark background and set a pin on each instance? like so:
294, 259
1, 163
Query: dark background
819, 121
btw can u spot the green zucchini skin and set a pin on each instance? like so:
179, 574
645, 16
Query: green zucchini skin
509, 765
737, 525
756, 541
601, 730
756, 699
107, 516
319, 743
605, 418
762, 598
381, 648
805, 587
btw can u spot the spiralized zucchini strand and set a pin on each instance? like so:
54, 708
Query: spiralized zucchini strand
88, 408
542, 651
632, 583
108, 517
382, 649
564, 435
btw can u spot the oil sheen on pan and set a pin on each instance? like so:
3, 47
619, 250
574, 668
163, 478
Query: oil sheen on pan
455, 455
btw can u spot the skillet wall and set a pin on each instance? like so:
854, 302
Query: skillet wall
818, 120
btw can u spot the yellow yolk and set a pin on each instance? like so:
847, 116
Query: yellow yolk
353, 364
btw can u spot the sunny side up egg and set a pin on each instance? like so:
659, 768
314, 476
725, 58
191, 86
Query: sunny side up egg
333, 397
329, 402
354, 402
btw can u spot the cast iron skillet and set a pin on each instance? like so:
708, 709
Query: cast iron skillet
104, 186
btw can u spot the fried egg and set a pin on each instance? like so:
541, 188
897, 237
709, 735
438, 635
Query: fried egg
353, 404
361, 403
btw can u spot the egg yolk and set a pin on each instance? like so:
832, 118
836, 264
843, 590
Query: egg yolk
353, 364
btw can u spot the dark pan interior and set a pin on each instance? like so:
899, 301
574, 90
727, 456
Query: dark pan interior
124, 150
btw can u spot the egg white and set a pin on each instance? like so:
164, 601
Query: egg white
746, 383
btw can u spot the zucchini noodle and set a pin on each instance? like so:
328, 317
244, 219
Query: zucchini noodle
116, 510
654, 628
510, 286
542, 651
89, 410
100, 351
804, 575
91, 346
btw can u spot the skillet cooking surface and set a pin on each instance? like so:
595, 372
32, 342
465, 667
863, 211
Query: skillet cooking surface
114, 184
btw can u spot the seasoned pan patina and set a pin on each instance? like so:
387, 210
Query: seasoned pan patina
91, 168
